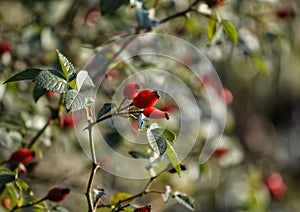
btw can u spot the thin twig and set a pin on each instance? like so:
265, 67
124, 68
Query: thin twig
36, 137
28, 205
179, 14
88, 193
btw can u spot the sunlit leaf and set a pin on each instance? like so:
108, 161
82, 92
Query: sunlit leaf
231, 30
22, 184
28, 74
169, 135
74, 101
156, 140
172, 155
184, 200
109, 6
120, 197
6, 176
105, 109
138, 154
211, 28
83, 81
68, 69
51, 80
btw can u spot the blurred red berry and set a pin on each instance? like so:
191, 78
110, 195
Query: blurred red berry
146, 208
4, 47
57, 193
285, 13
146, 98
50, 95
67, 121
226, 95
220, 152
131, 90
154, 113
6, 202
172, 170
168, 106
276, 185
22, 155
92, 16
214, 3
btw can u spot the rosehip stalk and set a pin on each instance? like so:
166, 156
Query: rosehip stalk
146, 98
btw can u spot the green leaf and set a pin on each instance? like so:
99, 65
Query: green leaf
169, 135
38, 92
6, 176
156, 140
22, 184
28, 74
74, 101
110, 6
138, 155
211, 28
83, 81
185, 200
260, 63
67, 67
231, 30
172, 155
105, 109
51, 80
120, 197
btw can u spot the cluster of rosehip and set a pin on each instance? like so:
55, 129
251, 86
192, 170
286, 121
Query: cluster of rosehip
23, 156
144, 99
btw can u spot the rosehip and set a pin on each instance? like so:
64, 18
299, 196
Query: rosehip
276, 185
131, 90
6, 202
214, 3
146, 208
172, 170
154, 113
4, 47
285, 13
68, 120
226, 95
146, 98
22, 155
57, 193
220, 152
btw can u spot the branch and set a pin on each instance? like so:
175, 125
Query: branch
36, 137
179, 14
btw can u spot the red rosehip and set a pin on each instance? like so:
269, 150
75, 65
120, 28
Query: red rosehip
214, 3
131, 90
154, 113
4, 47
68, 120
168, 106
285, 13
57, 193
145, 208
172, 170
226, 95
6, 202
50, 95
276, 185
22, 155
220, 152
146, 98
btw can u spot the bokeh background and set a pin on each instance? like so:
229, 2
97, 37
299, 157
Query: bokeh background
256, 167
